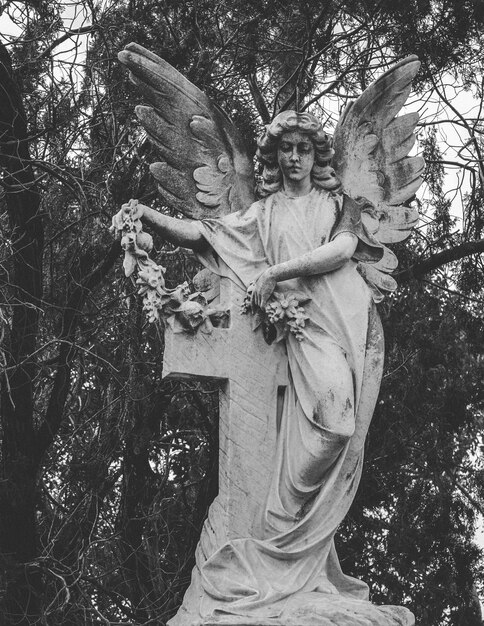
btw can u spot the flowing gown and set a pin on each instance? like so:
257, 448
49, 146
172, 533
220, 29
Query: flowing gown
327, 406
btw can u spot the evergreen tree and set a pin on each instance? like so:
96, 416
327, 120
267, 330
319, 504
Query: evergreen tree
106, 469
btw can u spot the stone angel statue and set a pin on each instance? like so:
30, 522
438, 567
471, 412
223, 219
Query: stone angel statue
313, 233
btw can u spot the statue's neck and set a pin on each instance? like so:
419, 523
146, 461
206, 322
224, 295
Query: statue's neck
295, 188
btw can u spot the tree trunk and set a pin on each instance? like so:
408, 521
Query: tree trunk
18, 540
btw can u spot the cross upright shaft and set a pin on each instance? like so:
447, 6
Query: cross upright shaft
253, 374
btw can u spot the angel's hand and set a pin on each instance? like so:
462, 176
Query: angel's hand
128, 216
263, 288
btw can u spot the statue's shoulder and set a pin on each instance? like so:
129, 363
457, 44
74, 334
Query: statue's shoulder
243, 217
267, 202
258, 207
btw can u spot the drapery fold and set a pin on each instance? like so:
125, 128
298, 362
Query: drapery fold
326, 412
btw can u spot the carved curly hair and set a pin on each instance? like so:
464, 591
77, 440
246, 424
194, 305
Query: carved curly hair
322, 174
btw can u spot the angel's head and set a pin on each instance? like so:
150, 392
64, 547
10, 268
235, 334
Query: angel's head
289, 134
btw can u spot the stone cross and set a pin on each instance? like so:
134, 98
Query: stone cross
253, 376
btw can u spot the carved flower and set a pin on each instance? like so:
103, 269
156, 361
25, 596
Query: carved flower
191, 314
181, 293
176, 298
128, 219
297, 323
128, 242
247, 303
150, 279
288, 303
283, 313
151, 305
144, 241
275, 312
190, 309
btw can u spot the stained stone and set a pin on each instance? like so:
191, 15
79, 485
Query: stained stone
309, 258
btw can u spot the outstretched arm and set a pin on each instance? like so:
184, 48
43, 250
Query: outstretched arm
326, 258
185, 233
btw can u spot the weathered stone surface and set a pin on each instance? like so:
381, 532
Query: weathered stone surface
311, 609
290, 462
250, 544
252, 376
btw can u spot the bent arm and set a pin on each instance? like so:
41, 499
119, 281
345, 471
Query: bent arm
185, 233
326, 258
330, 256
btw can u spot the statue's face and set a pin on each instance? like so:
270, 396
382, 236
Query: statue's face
295, 155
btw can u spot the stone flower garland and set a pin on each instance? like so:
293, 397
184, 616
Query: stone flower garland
189, 311
186, 311
283, 312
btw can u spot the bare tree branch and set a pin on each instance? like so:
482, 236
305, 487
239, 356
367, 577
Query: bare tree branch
442, 258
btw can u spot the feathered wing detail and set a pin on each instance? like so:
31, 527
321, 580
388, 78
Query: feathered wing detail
205, 170
371, 160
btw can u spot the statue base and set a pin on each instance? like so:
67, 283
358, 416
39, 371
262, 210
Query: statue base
316, 609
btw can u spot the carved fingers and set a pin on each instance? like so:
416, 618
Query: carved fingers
263, 289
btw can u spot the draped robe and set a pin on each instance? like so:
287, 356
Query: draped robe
326, 412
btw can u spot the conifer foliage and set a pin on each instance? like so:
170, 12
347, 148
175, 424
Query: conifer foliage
106, 470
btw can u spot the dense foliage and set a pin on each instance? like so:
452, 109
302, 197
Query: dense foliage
106, 469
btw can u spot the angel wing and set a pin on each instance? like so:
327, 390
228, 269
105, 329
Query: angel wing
205, 169
371, 160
